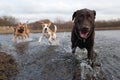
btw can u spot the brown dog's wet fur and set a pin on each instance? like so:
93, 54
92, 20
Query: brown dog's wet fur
83, 31
21, 31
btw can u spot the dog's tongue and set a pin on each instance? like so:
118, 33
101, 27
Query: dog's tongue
83, 35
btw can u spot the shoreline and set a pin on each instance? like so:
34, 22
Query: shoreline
10, 30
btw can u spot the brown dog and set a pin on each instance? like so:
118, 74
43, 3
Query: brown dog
21, 30
83, 31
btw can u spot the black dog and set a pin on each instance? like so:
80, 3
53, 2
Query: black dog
83, 31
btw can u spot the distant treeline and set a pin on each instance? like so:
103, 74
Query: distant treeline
61, 24
108, 23
8, 21
67, 25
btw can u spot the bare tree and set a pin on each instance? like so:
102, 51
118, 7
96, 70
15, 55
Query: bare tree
8, 21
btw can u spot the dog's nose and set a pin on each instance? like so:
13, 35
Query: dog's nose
85, 26
45, 29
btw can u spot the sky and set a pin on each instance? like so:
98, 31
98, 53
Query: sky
33, 10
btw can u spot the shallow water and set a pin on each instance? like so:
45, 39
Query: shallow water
41, 61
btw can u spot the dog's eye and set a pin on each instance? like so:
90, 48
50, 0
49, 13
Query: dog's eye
81, 16
89, 17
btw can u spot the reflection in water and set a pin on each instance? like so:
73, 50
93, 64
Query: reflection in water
22, 48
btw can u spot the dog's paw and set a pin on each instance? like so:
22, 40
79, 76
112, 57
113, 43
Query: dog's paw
39, 41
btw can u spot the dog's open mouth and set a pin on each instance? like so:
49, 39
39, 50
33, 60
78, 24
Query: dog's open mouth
84, 35
84, 32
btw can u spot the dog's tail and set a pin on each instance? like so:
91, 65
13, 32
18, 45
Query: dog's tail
55, 28
26, 24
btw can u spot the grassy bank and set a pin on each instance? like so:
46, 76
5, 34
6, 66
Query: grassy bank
6, 30
8, 66
108, 28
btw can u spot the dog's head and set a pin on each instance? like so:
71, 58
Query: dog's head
20, 28
45, 25
45, 28
84, 20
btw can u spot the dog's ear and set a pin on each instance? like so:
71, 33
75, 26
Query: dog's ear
42, 22
26, 24
49, 24
42, 25
94, 12
19, 24
73, 16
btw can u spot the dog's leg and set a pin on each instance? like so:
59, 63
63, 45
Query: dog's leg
23, 37
55, 38
73, 48
28, 33
56, 41
91, 56
43, 31
15, 37
40, 39
49, 40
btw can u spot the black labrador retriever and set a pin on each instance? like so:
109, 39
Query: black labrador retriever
83, 31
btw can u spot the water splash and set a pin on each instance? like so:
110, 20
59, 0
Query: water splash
86, 70
81, 54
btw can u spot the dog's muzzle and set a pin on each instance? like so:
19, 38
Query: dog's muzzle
84, 32
45, 30
20, 30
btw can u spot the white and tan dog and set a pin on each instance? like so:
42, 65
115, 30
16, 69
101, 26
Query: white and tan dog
48, 33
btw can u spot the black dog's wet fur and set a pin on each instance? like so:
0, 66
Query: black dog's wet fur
76, 40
